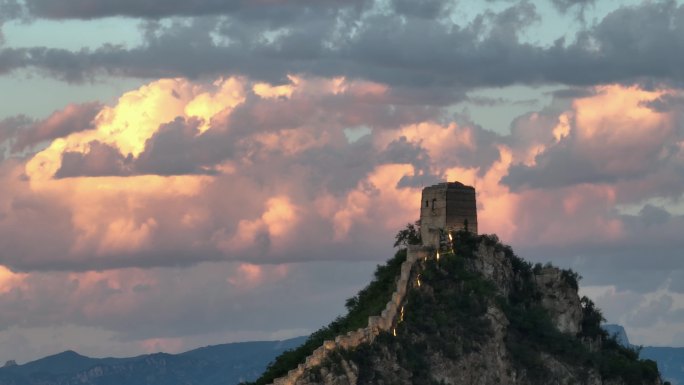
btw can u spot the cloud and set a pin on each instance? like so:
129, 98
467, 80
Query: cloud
179, 175
220, 198
155, 9
174, 174
9, 10
565, 5
422, 8
122, 311
99, 160
572, 93
73, 118
651, 318
609, 136
399, 47
666, 103
180, 172
197, 207
9, 128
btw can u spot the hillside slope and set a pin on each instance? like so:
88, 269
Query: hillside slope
477, 315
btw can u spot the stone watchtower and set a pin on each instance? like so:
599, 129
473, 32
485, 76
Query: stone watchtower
448, 206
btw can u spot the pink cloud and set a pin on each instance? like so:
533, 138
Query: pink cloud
282, 183
261, 177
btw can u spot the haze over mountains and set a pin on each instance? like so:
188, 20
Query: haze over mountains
225, 364
211, 365
670, 360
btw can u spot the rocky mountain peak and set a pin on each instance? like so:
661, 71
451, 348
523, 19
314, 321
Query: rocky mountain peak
479, 314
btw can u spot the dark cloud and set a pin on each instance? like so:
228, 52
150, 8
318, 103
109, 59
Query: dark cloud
652, 215
178, 148
640, 261
73, 118
389, 48
10, 126
649, 37
558, 168
99, 160
428, 9
565, 5
573, 93
8, 131
676, 279
402, 151
154, 9
563, 166
666, 103
9, 10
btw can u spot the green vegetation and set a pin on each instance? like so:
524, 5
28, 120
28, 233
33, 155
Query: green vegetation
448, 310
446, 316
531, 331
409, 235
368, 302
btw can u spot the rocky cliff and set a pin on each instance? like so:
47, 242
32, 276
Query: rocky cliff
478, 314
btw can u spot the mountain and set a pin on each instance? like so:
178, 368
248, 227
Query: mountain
670, 360
473, 314
619, 333
220, 364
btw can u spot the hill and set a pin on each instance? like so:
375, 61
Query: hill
211, 365
476, 314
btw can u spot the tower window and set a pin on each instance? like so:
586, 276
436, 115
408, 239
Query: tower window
427, 204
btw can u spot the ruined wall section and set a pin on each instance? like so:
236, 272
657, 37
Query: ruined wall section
386, 321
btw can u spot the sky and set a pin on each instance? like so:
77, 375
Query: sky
182, 173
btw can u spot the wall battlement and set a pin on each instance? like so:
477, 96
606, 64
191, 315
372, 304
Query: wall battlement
386, 321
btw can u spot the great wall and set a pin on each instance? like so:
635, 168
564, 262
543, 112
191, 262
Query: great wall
447, 207
385, 322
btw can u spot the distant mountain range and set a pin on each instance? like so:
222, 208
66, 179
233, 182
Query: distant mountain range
670, 360
226, 364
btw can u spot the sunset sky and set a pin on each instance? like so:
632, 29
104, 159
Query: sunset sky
177, 173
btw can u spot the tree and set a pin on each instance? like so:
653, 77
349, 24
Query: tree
591, 319
409, 235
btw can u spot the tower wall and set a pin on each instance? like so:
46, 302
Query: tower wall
446, 206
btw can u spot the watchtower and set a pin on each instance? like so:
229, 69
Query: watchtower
445, 207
